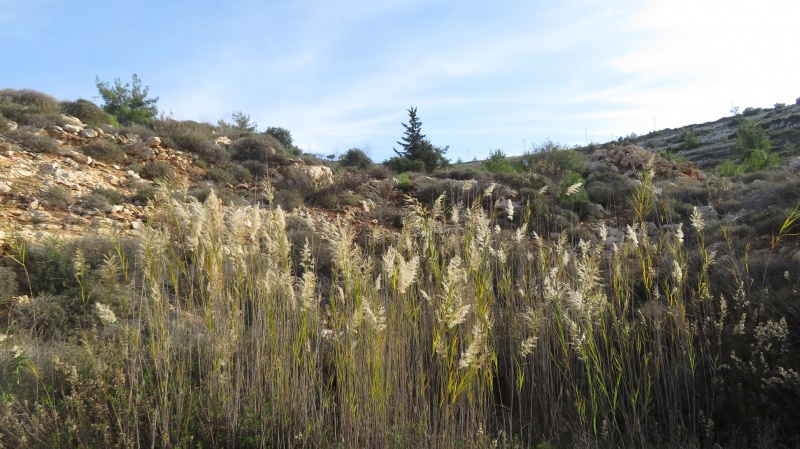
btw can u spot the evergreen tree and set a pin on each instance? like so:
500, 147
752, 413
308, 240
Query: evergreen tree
416, 148
129, 102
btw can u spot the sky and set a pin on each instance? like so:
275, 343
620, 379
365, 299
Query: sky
484, 76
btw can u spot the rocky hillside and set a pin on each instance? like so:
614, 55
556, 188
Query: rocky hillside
716, 139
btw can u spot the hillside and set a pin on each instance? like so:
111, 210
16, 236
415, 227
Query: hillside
182, 284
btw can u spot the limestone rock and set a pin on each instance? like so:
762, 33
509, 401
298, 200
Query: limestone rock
315, 176
223, 141
73, 129
36, 216
89, 133
5, 187
153, 142
72, 120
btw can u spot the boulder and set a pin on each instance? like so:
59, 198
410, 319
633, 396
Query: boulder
73, 129
223, 141
72, 120
36, 216
315, 176
153, 142
89, 133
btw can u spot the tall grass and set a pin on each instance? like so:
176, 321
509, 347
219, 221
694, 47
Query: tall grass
450, 333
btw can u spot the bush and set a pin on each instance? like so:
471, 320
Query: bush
213, 154
129, 102
8, 287
255, 147
571, 189
104, 150
88, 112
97, 202
498, 163
219, 176
31, 99
750, 137
239, 173
355, 157
144, 194
258, 170
403, 182
400, 165
690, 140
553, 159
608, 189
113, 196
32, 141
158, 170
57, 197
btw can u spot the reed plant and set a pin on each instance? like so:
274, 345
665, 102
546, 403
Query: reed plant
222, 331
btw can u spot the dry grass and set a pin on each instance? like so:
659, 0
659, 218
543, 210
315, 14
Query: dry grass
450, 333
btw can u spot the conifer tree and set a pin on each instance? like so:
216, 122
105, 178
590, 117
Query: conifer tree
415, 147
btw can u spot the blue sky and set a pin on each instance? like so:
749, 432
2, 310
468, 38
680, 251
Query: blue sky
483, 75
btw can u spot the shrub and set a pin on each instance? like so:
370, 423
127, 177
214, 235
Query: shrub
608, 188
144, 194
8, 287
255, 147
201, 192
554, 159
259, 170
759, 160
729, 169
192, 143
750, 137
239, 173
57, 197
98, 202
498, 163
690, 140
400, 165
355, 157
380, 171
403, 182
30, 99
104, 150
219, 176
88, 112
213, 154
113, 196
571, 189
158, 170
33, 141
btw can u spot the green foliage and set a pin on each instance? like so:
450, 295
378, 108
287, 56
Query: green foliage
88, 113
729, 169
255, 147
415, 147
284, 136
104, 150
158, 170
571, 189
403, 182
554, 159
8, 287
671, 156
144, 194
498, 163
57, 197
241, 122
129, 102
750, 137
219, 176
32, 141
690, 140
759, 160
355, 157
111, 195
400, 165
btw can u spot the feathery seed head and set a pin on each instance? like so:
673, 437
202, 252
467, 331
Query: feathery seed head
697, 219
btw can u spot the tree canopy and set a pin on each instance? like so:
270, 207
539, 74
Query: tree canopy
129, 102
415, 147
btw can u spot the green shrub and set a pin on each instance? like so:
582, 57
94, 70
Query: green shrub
690, 140
129, 103
219, 176
759, 160
380, 171
88, 112
259, 170
498, 163
403, 182
30, 99
608, 189
750, 137
113, 196
355, 157
729, 169
8, 288
400, 165
571, 189
213, 154
255, 147
104, 150
201, 192
33, 141
98, 202
158, 170
57, 197
239, 173
144, 194
552, 159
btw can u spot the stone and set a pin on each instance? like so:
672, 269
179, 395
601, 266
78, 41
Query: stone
223, 141
72, 120
74, 129
794, 165
5, 187
153, 142
79, 157
89, 133
424, 182
708, 212
316, 176
55, 129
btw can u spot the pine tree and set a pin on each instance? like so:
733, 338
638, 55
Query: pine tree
416, 148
